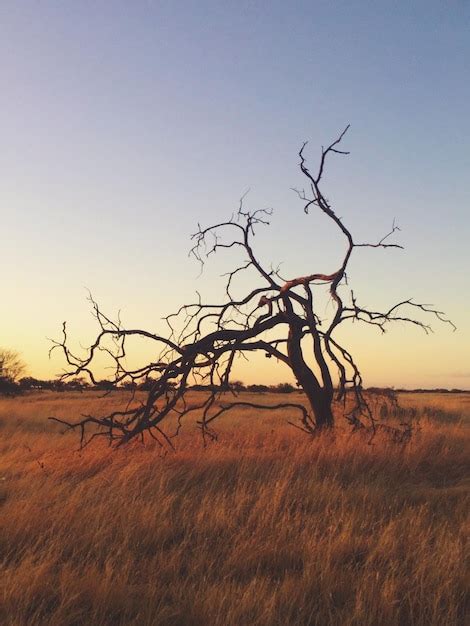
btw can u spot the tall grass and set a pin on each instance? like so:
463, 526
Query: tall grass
263, 527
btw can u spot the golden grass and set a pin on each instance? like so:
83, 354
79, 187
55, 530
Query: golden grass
264, 527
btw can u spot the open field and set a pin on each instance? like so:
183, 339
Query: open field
263, 527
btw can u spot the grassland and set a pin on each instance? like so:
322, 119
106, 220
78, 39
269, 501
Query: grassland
263, 527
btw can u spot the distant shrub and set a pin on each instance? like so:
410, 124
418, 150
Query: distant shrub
258, 388
9, 387
284, 388
105, 385
237, 385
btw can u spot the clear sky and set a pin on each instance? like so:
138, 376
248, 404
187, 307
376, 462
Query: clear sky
123, 124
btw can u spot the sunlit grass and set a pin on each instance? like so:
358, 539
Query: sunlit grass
263, 527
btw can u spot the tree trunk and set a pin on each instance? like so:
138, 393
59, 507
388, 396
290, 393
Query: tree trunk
320, 401
320, 398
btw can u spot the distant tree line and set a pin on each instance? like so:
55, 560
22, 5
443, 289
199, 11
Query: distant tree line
12, 367
29, 383
12, 382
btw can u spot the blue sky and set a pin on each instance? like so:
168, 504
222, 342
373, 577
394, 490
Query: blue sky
124, 124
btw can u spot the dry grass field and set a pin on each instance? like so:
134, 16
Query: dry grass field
264, 527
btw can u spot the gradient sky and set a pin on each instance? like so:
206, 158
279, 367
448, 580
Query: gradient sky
123, 124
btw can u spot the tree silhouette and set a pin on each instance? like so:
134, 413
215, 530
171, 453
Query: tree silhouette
277, 318
11, 368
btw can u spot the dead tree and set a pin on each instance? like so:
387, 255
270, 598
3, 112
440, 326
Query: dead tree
277, 318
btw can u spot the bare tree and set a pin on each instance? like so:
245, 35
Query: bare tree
11, 368
11, 365
277, 318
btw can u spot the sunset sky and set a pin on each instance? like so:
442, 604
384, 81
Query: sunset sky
124, 124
